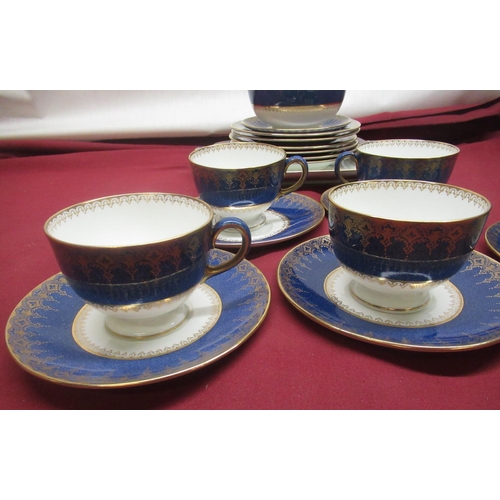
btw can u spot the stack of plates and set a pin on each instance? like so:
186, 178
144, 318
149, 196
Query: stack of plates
319, 146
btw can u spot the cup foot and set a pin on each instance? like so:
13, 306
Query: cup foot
445, 303
253, 223
389, 302
92, 335
146, 328
253, 215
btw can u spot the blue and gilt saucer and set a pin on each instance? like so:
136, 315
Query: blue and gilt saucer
288, 217
53, 335
473, 322
492, 237
324, 199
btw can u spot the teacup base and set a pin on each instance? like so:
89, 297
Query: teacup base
273, 224
253, 215
253, 223
434, 306
203, 309
390, 302
148, 319
144, 328
399, 297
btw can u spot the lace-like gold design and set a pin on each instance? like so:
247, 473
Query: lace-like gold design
101, 203
408, 237
440, 147
298, 109
80, 333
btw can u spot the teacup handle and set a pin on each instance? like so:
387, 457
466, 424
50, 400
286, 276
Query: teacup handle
303, 176
338, 163
246, 239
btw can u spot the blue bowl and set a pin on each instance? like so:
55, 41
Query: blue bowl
414, 159
296, 108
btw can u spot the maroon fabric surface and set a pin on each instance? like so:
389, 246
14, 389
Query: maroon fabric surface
290, 362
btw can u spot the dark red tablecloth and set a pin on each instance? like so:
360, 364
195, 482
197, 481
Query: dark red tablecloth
290, 362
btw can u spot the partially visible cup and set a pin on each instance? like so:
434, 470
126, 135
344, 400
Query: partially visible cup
243, 179
137, 257
413, 159
296, 108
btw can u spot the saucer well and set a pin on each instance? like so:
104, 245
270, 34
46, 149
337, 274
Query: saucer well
473, 320
52, 334
203, 310
492, 237
288, 217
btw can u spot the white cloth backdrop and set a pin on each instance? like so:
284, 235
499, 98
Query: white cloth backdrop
123, 114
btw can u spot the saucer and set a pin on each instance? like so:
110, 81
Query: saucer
42, 329
314, 153
303, 274
342, 135
327, 146
288, 217
492, 237
255, 123
324, 199
292, 145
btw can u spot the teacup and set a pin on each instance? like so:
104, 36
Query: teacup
296, 108
137, 257
399, 238
413, 159
243, 179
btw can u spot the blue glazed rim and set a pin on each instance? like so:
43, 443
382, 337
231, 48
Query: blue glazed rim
301, 276
295, 98
39, 338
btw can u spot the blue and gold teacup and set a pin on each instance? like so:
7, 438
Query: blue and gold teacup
243, 179
413, 159
285, 109
137, 257
399, 238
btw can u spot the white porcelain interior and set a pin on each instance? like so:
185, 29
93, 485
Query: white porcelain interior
296, 116
409, 201
237, 155
134, 219
391, 296
408, 148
